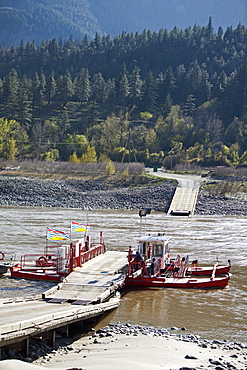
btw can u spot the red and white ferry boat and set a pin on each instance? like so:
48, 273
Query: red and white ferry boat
56, 262
151, 266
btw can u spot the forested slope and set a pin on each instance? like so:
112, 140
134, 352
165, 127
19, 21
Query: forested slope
157, 97
47, 19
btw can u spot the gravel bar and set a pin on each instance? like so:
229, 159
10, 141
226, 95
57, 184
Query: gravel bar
23, 191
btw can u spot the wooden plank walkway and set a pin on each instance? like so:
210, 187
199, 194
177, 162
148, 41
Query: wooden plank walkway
94, 282
19, 321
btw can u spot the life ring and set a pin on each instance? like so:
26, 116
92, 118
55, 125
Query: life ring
42, 261
1, 256
42, 258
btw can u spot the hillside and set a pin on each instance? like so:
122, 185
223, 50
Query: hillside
158, 98
46, 19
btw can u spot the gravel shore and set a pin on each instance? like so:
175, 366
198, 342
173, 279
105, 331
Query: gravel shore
23, 191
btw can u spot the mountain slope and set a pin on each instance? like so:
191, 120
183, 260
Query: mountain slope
45, 19
48, 19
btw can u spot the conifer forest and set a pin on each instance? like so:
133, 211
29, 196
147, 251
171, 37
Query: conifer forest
160, 98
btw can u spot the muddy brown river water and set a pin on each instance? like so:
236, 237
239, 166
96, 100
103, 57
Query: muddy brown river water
212, 314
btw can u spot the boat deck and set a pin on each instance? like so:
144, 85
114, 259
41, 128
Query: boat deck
94, 282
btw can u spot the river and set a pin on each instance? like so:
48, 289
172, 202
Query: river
211, 314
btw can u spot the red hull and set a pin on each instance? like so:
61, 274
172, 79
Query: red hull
204, 271
43, 268
35, 275
181, 283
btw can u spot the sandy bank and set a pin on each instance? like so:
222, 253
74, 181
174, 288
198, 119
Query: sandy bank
127, 352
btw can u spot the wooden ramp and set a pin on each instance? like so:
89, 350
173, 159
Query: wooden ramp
183, 202
24, 319
94, 282
87, 292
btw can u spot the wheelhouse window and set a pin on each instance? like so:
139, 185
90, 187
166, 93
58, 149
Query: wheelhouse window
158, 249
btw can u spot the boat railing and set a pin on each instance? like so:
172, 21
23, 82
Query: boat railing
135, 268
37, 262
50, 260
50, 250
94, 250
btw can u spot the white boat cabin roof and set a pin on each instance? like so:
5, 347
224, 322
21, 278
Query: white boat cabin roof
154, 238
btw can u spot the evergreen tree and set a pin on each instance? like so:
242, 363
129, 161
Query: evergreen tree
189, 106
67, 88
166, 107
64, 124
220, 85
135, 85
23, 113
35, 90
149, 92
93, 114
194, 71
10, 92
99, 91
42, 87
110, 87
210, 30
1, 90
179, 94
124, 89
50, 87
169, 81
83, 88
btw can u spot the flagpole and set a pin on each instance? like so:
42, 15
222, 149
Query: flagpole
86, 221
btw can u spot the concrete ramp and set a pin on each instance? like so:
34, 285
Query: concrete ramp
183, 202
185, 197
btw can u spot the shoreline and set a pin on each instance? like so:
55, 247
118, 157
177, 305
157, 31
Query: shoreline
29, 192
136, 347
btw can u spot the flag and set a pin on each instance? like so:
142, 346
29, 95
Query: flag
57, 235
75, 226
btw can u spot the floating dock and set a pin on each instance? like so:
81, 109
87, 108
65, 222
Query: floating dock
87, 292
94, 282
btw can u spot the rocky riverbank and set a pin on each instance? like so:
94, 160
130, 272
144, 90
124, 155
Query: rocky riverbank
126, 346
23, 191
220, 205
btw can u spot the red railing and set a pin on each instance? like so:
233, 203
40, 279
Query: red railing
35, 262
50, 260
